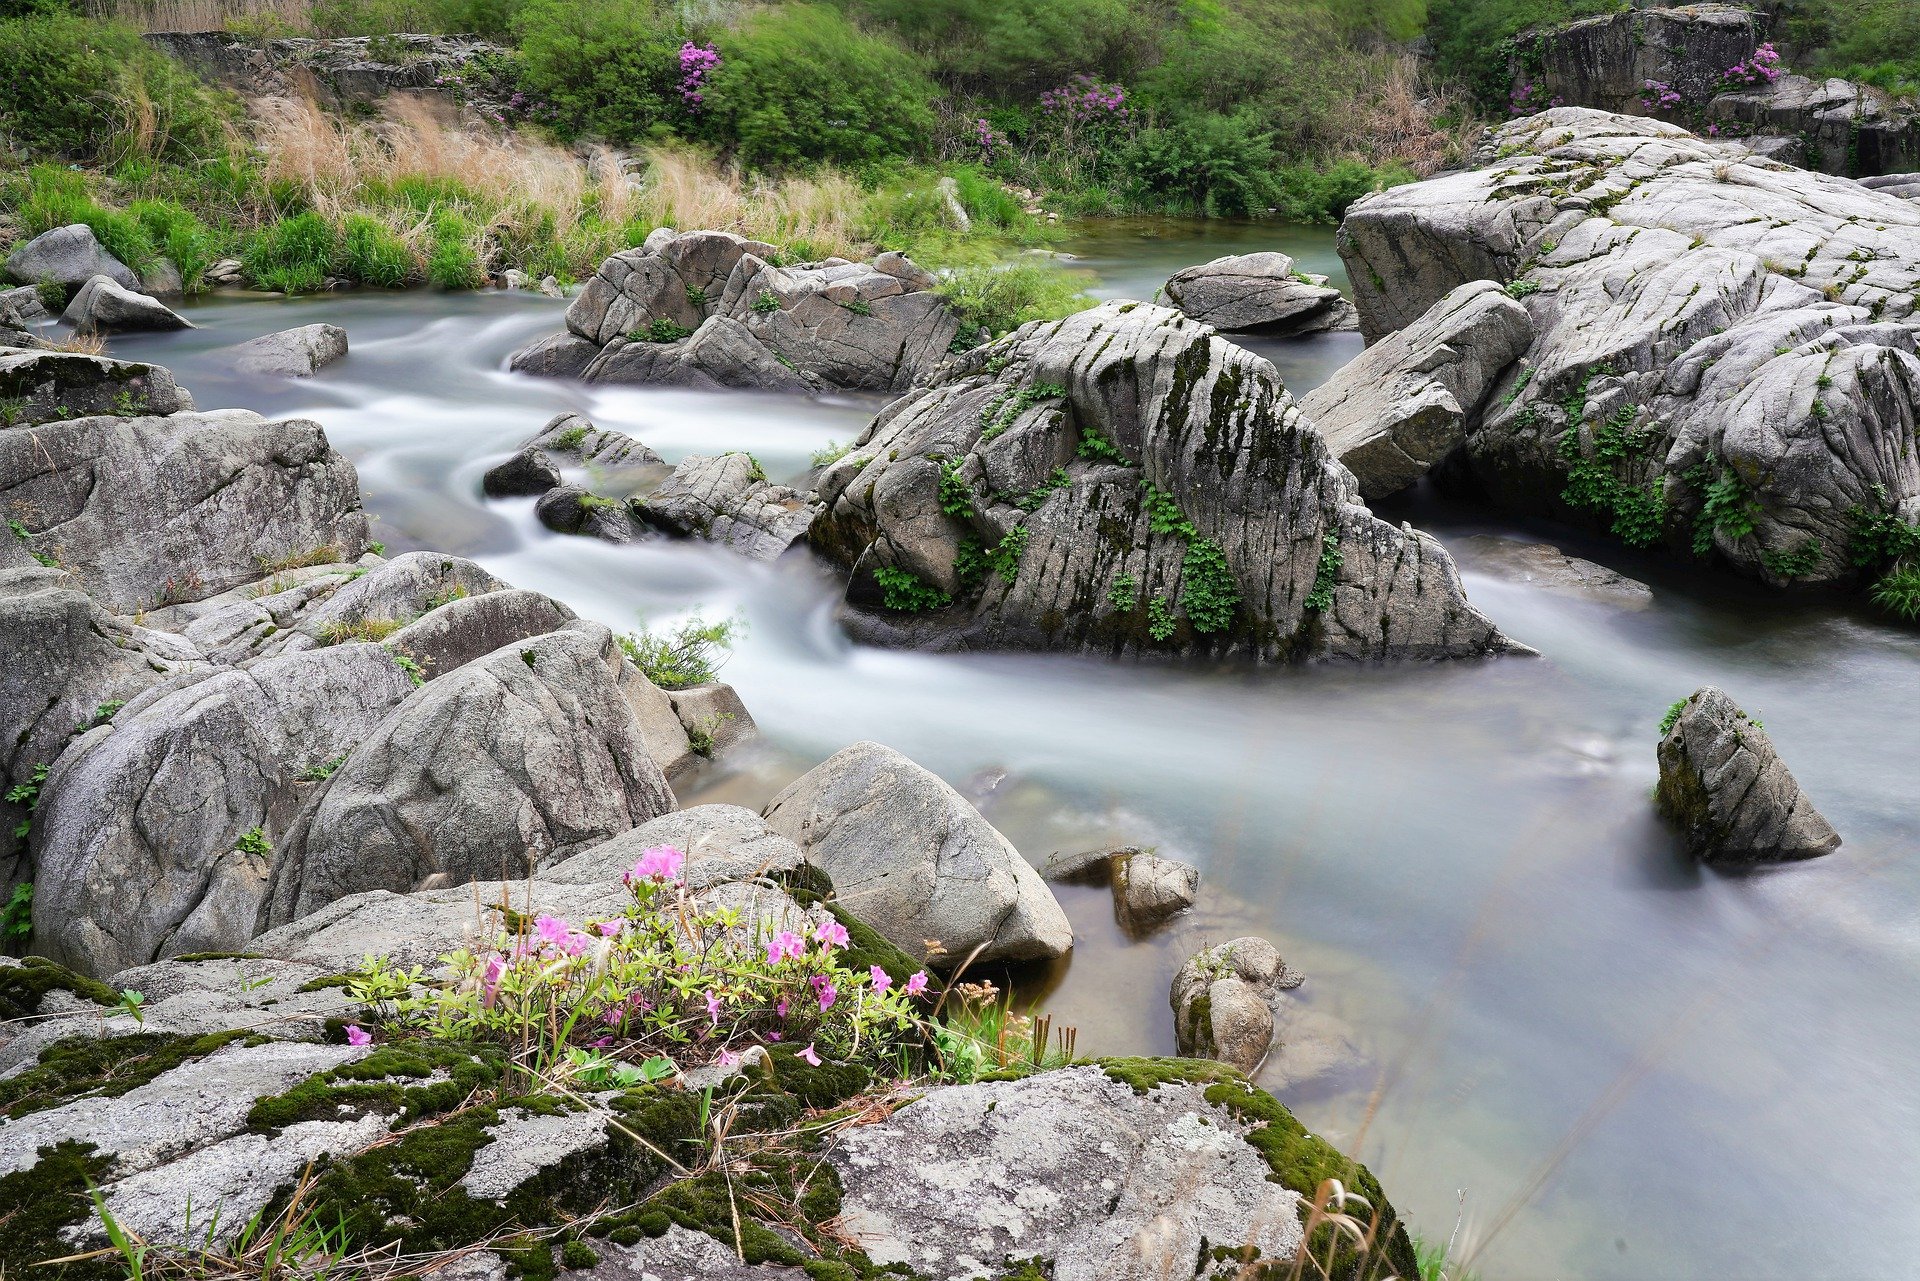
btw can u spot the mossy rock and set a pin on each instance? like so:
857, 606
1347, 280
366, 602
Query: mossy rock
101, 1067
24, 986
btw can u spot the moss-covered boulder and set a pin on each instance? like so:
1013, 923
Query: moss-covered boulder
1126, 482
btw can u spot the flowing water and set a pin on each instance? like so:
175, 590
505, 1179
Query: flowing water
1607, 1061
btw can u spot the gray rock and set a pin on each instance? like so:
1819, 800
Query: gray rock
714, 715
572, 509
614, 461
149, 511
1704, 323
1225, 1000
105, 307
660, 726
1842, 126
911, 858
1147, 889
1724, 785
1545, 566
524, 1145
727, 499
291, 353
528, 472
71, 666
1082, 447
1607, 61
748, 323
163, 279
461, 631
40, 386
1406, 402
1070, 1166
1088, 867
69, 256
156, 834
1259, 292
25, 305
680, 1254
519, 759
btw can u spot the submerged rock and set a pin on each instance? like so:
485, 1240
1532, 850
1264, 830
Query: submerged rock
291, 353
910, 857
573, 509
1545, 566
150, 511
727, 499
1726, 355
1260, 293
104, 307
1126, 482
1406, 402
709, 308
69, 256
1225, 1000
1724, 785
40, 386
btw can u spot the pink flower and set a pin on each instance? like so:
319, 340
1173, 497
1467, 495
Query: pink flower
917, 983
496, 969
780, 1010
610, 928
786, 943
830, 935
727, 1059
357, 1035
825, 990
661, 863
881, 979
713, 1006
809, 1055
552, 929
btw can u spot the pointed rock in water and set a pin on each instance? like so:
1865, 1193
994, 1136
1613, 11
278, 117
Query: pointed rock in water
1727, 789
1147, 889
528, 472
1259, 293
709, 308
1727, 350
727, 499
1407, 401
291, 353
1125, 481
517, 760
69, 256
911, 858
104, 307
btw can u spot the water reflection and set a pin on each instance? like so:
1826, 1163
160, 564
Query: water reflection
1687, 1074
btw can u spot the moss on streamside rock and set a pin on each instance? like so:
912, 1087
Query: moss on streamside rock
38, 1203
101, 1067
24, 986
1299, 1160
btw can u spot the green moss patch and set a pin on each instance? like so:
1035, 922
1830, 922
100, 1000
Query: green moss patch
23, 986
37, 1203
376, 1084
101, 1067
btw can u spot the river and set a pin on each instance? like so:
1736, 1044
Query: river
1601, 1060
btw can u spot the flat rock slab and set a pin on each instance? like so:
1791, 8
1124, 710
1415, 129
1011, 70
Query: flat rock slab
1260, 293
291, 353
1545, 566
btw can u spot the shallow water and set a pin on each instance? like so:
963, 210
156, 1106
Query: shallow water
1622, 1066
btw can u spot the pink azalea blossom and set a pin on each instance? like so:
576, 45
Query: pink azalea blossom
830, 935
727, 1059
780, 1010
881, 979
552, 929
785, 944
917, 983
610, 928
660, 863
809, 1055
713, 1006
825, 990
357, 1035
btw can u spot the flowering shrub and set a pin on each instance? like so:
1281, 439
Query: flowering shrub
1085, 100
991, 141
696, 61
668, 984
1530, 96
1658, 95
1762, 66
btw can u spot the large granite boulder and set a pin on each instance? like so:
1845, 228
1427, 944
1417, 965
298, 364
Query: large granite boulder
38, 385
709, 308
1124, 481
514, 761
105, 307
290, 353
151, 511
1259, 293
1724, 785
1839, 126
1608, 62
68, 256
727, 499
910, 857
1726, 355
156, 832
1405, 403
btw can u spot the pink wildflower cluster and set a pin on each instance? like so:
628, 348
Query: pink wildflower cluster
990, 140
1762, 66
1529, 97
696, 64
1658, 95
1083, 100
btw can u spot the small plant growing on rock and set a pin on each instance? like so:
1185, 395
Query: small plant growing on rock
660, 330
254, 841
27, 794
687, 655
766, 304
903, 592
832, 453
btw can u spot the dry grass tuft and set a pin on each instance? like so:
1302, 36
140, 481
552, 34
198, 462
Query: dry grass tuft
684, 188
1401, 119
290, 16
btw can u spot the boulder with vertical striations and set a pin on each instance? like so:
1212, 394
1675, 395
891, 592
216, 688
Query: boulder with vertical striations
1724, 785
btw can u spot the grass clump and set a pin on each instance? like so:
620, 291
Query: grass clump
685, 655
999, 298
294, 256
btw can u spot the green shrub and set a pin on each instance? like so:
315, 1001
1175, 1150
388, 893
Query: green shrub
685, 656
1898, 592
610, 70
1221, 166
294, 256
179, 236
58, 197
373, 255
1003, 297
96, 93
800, 83
1310, 194
453, 263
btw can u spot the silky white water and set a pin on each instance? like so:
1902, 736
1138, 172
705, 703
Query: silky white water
1659, 1071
